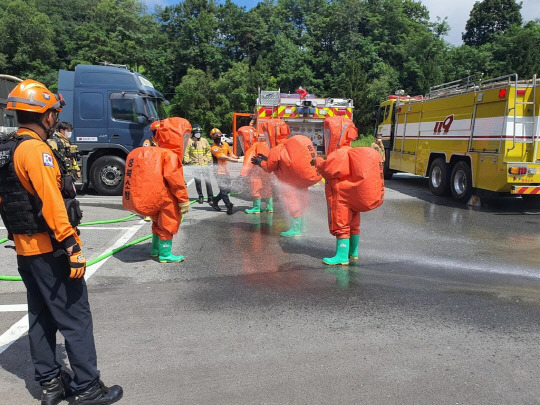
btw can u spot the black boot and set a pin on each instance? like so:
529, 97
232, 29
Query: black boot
210, 200
214, 205
54, 391
201, 199
98, 394
229, 208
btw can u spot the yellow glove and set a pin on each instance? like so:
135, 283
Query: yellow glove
184, 208
77, 262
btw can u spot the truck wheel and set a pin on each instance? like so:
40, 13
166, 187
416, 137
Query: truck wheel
107, 175
461, 182
439, 177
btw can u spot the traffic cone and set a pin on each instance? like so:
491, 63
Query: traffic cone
353, 247
342, 254
256, 207
165, 255
296, 223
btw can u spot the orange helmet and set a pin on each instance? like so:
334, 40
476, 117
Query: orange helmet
32, 96
215, 133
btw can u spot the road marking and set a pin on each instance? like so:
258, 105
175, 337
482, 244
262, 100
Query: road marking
21, 327
14, 308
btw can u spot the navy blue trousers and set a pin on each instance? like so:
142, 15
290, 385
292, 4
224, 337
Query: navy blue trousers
224, 183
58, 303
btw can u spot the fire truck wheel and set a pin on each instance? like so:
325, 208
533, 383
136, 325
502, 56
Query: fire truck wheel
107, 175
439, 177
531, 201
461, 182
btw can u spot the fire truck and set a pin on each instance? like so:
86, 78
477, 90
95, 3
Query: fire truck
467, 136
304, 113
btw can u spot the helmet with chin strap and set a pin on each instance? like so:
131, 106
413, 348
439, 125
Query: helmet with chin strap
32, 96
215, 134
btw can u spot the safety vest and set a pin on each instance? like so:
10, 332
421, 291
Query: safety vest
20, 210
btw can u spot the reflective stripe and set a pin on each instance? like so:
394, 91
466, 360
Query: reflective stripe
26, 100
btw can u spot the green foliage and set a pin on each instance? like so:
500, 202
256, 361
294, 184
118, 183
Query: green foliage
488, 18
210, 58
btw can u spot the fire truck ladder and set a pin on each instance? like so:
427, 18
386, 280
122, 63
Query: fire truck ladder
533, 121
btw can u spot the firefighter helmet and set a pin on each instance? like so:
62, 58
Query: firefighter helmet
32, 96
196, 129
215, 133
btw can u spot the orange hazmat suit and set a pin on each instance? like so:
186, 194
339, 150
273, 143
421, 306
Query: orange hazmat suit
260, 181
154, 178
289, 159
354, 177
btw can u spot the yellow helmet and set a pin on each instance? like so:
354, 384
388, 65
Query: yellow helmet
215, 133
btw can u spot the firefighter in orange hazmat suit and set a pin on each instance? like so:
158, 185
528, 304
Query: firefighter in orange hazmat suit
289, 159
254, 143
154, 184
354, 184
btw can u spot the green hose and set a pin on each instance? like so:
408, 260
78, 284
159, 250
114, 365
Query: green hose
110, 221
18, 278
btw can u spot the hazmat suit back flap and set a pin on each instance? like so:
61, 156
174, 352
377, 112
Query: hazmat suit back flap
275, 131
247, 136
145, 188
338, 131
295, 156
174, 134
366, 174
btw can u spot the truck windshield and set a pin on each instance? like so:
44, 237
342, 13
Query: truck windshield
156, 107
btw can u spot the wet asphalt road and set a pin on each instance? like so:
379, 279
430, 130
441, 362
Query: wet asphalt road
443, 307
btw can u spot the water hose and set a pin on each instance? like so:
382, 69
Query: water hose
100, 258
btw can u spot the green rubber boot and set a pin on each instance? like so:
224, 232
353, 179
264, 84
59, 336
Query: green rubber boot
296, 223
303, 224
269, 205
155, 246
342, 254
165, 255
353, 247
256, 207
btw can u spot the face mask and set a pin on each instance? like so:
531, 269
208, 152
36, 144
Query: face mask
198, 136
68, 134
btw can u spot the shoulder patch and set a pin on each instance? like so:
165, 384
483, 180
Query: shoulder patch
48, 160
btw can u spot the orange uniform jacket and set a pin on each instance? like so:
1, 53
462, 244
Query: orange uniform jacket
39, 173
219, 151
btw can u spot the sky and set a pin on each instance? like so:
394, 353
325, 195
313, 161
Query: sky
457, 12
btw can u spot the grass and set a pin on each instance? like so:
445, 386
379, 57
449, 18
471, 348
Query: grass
363, 140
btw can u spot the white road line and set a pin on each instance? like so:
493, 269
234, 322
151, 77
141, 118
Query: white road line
21, 327
14, 308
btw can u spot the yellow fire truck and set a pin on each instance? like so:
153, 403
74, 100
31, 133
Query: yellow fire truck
304, 113
467, 136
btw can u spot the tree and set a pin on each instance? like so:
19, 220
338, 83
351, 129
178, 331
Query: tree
489, 17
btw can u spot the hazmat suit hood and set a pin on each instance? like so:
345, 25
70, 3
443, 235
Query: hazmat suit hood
247, 136
338, 132
275, 130
174, 134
